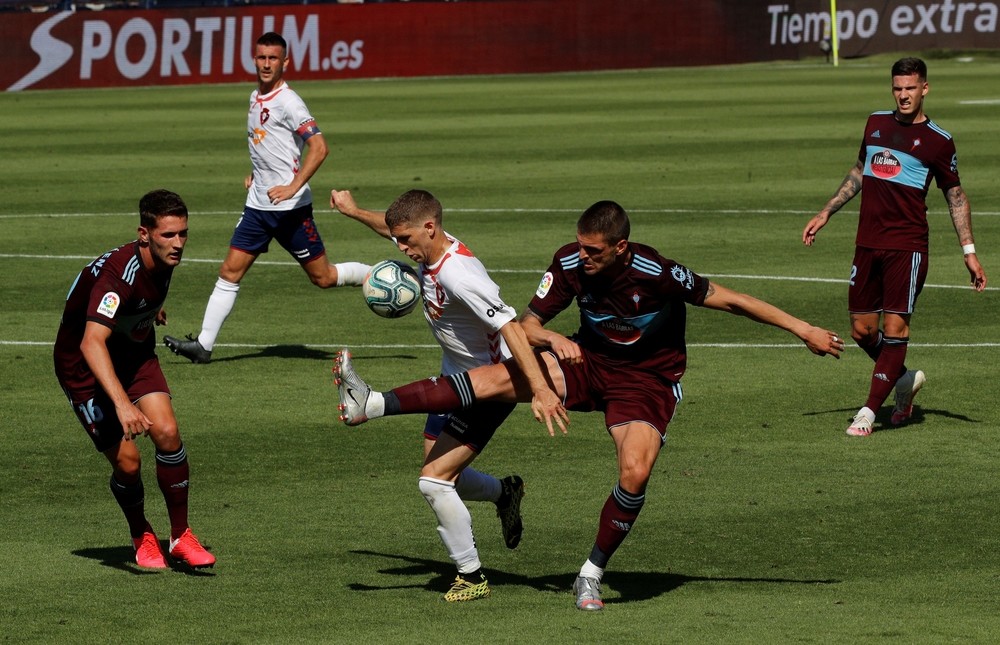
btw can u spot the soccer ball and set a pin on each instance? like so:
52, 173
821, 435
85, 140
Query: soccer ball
391, 289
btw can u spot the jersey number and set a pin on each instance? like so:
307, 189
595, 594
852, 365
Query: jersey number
91, 413
854, 274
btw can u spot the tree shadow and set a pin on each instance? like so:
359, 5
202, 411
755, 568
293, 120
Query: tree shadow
631, 586
123, 559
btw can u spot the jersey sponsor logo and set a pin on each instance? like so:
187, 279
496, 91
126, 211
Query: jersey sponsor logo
495, 309
885, 165
876, 135
683, 275
544, 285
620, 331
257, 135
109, 304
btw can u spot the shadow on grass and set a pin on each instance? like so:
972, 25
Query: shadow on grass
883, 416
632, 586
123, 559
294, 351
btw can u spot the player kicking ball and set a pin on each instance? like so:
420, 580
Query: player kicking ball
626, 361
474, 327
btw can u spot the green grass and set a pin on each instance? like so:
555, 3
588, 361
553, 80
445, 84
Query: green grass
763, 522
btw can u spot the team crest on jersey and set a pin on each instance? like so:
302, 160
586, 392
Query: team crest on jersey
916, 144
544, 285
885, 165
109, 304
682, 275
265, 114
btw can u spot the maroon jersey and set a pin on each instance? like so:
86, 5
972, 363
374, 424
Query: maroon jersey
117, 291
900, 159
635, 317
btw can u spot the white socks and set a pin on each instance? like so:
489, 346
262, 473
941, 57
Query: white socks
591, 570
351, 274
454, 522
474, 486
220, 304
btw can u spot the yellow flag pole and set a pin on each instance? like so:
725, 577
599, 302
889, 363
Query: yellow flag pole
833, 33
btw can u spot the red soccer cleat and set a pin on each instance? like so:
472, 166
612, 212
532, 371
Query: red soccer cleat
147, 551
187, 549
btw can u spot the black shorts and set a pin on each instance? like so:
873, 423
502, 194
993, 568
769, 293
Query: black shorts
473, 426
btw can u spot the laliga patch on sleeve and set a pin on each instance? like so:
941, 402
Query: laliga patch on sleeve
109, 304
544, 285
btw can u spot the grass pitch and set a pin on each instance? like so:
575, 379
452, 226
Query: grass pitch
763, 521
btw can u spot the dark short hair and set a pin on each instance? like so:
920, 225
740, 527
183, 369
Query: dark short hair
271, 38
413, 206
909, 67
605, 218
160, 203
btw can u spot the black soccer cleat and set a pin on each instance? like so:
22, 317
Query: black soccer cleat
190, 349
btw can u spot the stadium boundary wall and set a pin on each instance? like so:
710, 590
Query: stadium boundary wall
73, 49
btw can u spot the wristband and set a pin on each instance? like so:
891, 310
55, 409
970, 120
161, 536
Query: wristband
968, 249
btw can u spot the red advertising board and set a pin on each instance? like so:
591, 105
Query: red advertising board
330, 41
213, 45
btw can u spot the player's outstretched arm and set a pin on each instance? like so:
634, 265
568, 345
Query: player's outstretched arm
850, 187
343, 202
546, 405
819, 341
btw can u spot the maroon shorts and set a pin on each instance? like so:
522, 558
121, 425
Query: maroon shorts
624, 394
886, 281
95, 410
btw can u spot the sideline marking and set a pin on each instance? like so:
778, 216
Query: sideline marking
538, 272
337, 346
655, 211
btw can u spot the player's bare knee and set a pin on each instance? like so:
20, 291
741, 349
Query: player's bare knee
127, 468
166, 436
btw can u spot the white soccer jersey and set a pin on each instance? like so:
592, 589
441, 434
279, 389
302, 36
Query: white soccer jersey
463, 307
278, 124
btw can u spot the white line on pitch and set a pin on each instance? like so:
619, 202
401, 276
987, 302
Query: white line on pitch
39, 343
726, 276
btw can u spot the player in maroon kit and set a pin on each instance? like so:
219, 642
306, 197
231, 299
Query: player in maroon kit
901, 152
106, 362
626, 360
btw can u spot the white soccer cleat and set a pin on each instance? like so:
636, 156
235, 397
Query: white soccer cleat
906, 390
588, 594
862, 424
351, 389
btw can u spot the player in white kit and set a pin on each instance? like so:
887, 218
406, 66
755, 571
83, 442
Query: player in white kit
279, 202
474, 327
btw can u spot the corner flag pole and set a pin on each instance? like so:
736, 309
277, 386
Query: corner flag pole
833, 32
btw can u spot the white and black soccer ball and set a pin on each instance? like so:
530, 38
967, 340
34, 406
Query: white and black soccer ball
391, 289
